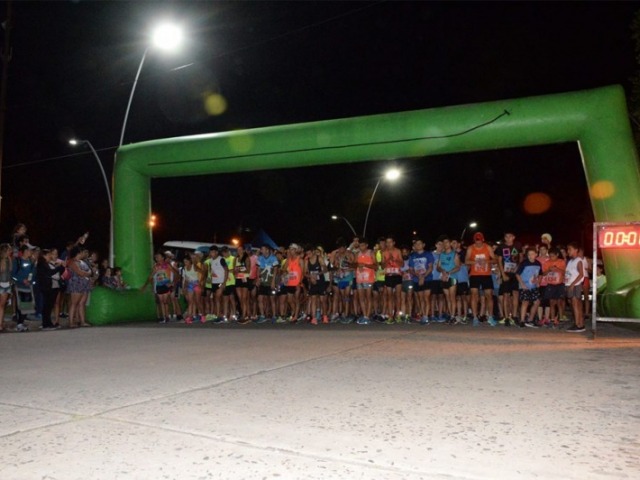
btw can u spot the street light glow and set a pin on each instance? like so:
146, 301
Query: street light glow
392, 174
73, 142
334, 217
473, 225
167, 37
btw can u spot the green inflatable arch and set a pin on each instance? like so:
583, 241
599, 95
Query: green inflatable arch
596, 119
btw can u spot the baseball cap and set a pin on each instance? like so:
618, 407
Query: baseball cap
478, 237
294, 246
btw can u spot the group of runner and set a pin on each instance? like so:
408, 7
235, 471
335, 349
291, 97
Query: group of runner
364, 282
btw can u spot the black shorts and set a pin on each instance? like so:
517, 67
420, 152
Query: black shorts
447, 284
242, 283
421, 288
484, 281
435, 286
378, 286
316, 289
463, 289
532, 295
229, 290
392, 281
509, 286
555, 292
162, 289
289, 290
264, 291
251, 284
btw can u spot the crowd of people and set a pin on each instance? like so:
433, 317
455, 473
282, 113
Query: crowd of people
502, 283
49, 285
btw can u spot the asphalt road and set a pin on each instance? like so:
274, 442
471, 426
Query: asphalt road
343, 402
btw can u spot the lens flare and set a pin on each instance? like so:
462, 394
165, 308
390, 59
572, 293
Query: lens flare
537, 203
602, 189
214, 104
241, 143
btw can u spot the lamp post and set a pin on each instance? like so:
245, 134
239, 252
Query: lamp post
76, 142
392, 174
336, 217
165, 37
464, 230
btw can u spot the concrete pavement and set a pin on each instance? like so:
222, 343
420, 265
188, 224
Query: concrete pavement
379, 402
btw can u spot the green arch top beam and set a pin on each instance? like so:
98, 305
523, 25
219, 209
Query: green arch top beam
596, 119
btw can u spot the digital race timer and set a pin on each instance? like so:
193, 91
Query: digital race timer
619, 237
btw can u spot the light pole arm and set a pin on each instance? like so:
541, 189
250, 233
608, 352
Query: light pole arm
366, 219
133, 89
350, 226
104, 175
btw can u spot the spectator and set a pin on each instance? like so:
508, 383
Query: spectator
48, 267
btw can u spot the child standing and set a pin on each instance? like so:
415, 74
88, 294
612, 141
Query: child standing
573, 280
528, 275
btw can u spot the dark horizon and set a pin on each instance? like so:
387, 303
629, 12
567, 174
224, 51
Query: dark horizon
280, 63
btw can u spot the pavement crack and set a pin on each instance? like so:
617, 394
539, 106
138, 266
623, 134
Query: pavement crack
253, 374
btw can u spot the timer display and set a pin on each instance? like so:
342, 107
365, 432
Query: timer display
619, 237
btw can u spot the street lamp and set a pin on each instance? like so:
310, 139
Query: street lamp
165, 37
76, 142
153, 220
336, 217
392, 174
471, 225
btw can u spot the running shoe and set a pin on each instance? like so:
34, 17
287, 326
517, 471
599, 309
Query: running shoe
261, 319
314, 321
21, 327
233, 318
280, 320
325, 319
363, 321
244, 321
492, 321
575, 329
302, 317
210, 317
221, 320
441, 318
346, 320
389, 321
530, 324
188, 320
476, 322
334, 317
424, 320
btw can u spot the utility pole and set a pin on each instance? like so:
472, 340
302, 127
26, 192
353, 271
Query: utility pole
6, 57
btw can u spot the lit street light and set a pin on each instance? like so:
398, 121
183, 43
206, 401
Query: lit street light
153, 219
471, 225
392, 174
165, 37
336, 217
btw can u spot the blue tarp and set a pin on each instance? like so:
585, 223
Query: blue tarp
263, 239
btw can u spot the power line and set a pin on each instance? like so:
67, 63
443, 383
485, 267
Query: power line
49, 159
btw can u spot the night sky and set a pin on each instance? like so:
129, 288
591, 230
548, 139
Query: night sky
74, 62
